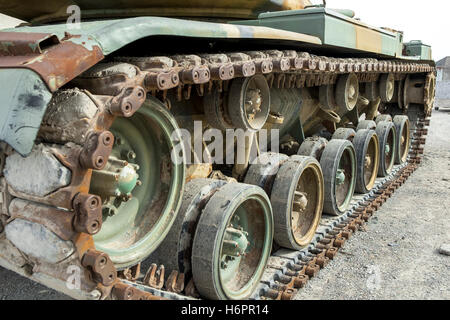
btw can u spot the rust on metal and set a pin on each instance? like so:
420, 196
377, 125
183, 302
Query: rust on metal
57, 220
101, 266
155, 276
97, 150
88, 213
131, 274
128, 101
122, 291
175, 282
57, 62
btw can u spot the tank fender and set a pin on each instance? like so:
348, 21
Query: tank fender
24, 99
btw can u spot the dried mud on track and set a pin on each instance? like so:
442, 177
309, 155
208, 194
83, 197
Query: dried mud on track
395, 258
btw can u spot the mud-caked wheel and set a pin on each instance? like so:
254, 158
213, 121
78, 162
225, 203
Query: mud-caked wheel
338, 164
344, 134
175, 251
367, 158
141, 187
297, 201
232, 242
388, 147
313, 147
402, 129
366, 124
264, 169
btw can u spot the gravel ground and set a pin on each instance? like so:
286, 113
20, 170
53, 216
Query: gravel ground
395, 258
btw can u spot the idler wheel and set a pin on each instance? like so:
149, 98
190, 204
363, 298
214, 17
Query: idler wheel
249, 102
367, 159
297, 201
338, 164
387, 87
388, 147
402, 127
141, 188
232, 243
175, 251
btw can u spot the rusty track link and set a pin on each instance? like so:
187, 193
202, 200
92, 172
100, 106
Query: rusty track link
287, 271
157, 75
283, 69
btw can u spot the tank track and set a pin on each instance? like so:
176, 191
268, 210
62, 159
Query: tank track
287, 270
283, 69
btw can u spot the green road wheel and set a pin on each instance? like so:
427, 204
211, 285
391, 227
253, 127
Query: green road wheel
297, 201
388, 147
141, 187
338, 164
403, 138
232, 242
367, 157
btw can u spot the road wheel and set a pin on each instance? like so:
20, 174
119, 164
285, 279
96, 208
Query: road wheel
232, 242
297, 202
141, 188
388, 147
403, 138
338, 164
367, 159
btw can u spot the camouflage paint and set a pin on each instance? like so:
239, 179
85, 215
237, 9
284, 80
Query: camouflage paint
24, 100
418, 49
112, 35
78, 50
334, 28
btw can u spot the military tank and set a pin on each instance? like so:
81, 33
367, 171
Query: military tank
112, 152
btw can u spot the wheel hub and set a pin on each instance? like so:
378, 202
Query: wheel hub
235, 243
253, 103
367, 162
340, 177
352, 92
118, 179
301, 201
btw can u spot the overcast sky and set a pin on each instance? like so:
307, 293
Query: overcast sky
428, 21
